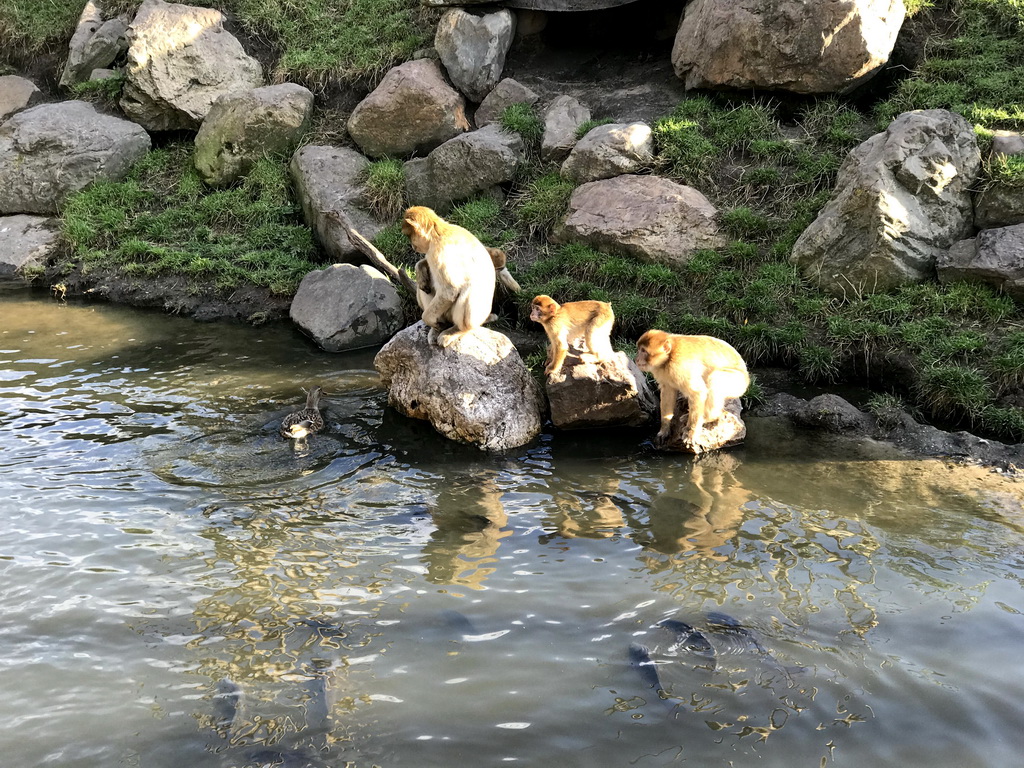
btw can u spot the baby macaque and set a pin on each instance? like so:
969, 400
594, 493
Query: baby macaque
564, 323
706, 370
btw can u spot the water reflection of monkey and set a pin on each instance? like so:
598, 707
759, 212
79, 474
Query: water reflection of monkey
593, 515
702, 516
471, 522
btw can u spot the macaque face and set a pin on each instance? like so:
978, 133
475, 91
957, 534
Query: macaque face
650, 350
541, 309
419, 243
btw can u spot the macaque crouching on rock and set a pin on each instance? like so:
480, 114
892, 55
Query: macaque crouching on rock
706, 372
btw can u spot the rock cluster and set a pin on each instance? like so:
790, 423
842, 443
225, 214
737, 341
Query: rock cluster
906, 206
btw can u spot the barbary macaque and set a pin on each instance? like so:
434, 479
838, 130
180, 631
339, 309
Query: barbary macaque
564, 323
705, 370
458, 270
425, 285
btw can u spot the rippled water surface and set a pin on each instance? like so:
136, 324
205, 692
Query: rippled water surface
180, 587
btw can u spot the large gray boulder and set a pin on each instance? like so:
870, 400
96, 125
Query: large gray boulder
504, 95
562, 118
611, 393
94, 45
650, 217
16, 93
26, 243
412, 110
476, 391
610, 150
180, 60
347, 307
473, 47
244, 126
49, 151
995, 257
329, 187
793, 45
463, 166
902, 198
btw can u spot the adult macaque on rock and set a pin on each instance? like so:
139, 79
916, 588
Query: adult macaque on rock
425, 283
564, 323
705, 370
461, 275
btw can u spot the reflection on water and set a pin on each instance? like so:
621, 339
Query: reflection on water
182, 587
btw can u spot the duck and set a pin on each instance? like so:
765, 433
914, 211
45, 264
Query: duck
301, 424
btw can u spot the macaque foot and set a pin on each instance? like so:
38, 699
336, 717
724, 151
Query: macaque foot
695, 441
449, 337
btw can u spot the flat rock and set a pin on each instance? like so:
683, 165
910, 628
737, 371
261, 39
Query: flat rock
902, 199
413, 109
793, 45
562, 117
242, 127
464, 166
328, 185
506, 93
473, 46
994, 258
16, 93
612, 393
610, 150
50, 151
727, 432
650, 217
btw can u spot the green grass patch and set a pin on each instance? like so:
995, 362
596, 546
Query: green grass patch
523, 119
384, 185
30, 26
335, 40
543, 202
588, 125
106, 91
162, 221
978, 71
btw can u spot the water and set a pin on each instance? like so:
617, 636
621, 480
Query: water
385, 597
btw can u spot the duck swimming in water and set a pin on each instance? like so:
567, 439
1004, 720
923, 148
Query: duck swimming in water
301, 424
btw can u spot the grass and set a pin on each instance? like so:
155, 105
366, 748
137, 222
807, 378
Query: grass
106, 92
588, 125
29, 27
384, 184
161, 221
523, 119
325, 41
977, 71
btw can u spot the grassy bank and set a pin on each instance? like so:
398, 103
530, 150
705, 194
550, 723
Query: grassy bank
953, 353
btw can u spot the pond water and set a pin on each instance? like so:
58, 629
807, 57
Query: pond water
181, 587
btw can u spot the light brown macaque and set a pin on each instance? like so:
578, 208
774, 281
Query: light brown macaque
425, 285
564, 323
705, 370
458, 270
